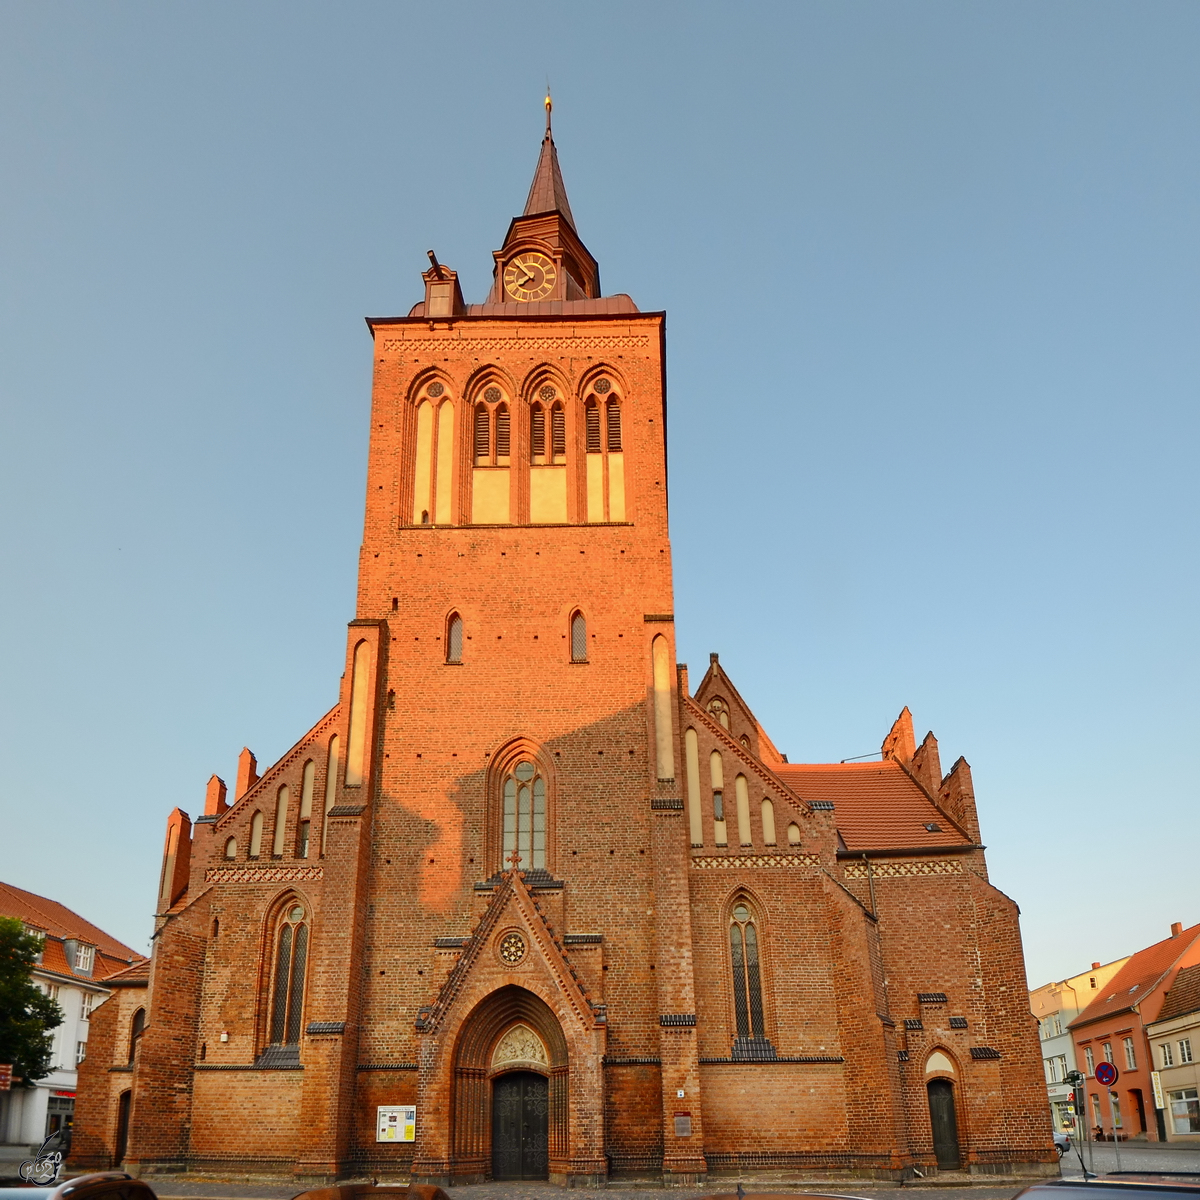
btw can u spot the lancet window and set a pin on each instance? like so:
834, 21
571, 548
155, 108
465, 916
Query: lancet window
604, 451
747, 976
579, 647
524, 816
434, 459
291, 958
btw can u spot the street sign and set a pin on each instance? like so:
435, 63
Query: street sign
1106, 1074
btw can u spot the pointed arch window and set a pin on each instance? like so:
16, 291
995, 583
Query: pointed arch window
483, 431
747, 976
579, 647
434, 459
558, 433
136, 1028
605, 459
503, 436
524, 793
291, 958
613, 424
454, 639
592, 425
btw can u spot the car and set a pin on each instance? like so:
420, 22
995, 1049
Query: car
1062, 1143
104, 1185
1137, 1185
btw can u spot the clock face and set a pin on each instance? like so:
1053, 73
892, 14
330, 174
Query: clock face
530, 276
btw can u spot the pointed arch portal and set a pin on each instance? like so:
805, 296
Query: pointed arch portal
510, 1124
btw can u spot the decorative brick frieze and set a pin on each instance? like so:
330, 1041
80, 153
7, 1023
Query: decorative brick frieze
535, 347
730, 862
905, 868
666, 804
263, 874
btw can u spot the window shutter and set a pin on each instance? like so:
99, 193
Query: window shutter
502, 432
481, 433
537, 432
558, 431
614, 425
593, 427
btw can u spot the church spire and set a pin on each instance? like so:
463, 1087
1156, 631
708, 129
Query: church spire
548, 193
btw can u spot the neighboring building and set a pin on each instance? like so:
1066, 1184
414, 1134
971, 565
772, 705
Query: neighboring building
76, 962
1056, 1005
1175, 1044
1113, 1028
586, 921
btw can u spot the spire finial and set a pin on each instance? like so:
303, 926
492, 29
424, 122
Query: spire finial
549, 108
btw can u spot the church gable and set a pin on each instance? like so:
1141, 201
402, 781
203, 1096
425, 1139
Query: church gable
723, 702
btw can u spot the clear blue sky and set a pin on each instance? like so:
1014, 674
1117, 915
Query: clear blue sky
931, 275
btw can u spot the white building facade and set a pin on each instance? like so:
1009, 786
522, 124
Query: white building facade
1056, 1005
76, 958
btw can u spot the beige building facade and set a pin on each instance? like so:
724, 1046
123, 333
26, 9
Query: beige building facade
1175, 1045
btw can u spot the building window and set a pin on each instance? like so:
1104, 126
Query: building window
605, 461
86, 1005
80, 1052
307, 786
612, 411
1058, 1026
558, 433
524, 817
793, 834
1164, 1052
579, 649
1056, 1068
768, 822
454, 638
719, 712
1097, 1121
291, 956
1090, 1059
483, 426
84, 957
136, 1028
1130, 1058
537, 435
747, 982
592, 426
1185, 1110
1185, 1050
281, 807
1106, 1050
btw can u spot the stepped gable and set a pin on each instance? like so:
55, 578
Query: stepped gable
877, 805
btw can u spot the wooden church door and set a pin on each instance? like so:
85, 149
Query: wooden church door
945, 1124
520, 1126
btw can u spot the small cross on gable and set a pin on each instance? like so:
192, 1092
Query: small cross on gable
515, 859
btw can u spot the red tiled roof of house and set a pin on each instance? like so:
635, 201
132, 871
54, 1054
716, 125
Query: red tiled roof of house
876, 805
1137, 978
60, 922
1184, 996
138, 973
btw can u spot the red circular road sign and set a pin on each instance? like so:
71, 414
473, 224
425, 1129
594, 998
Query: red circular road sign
1106, 1074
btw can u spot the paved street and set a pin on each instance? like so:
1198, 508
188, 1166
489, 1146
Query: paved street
544, 1191
1155, 1156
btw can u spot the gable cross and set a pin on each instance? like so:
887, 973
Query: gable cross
515, 859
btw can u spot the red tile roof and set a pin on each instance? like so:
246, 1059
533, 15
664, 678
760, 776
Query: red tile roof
1184, 996
1138, 978
138, 973
60, 922
876, 805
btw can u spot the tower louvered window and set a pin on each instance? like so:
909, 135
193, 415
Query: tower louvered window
502, 435
287, 1003
525, 818
558, 433
613, 415
537, 433
592, 418
482, 434
747, 981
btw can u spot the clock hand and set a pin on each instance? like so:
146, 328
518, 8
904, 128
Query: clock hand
528, 272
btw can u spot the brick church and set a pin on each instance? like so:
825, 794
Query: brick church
527, 902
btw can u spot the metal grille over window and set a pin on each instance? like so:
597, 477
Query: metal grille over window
578, 638
747, 984
537, 433
482, 431
558, 432
613, 412
502, 433
592, 416
525, 817
288, 1001
454, 639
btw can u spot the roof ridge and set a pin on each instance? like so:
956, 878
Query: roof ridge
84, 930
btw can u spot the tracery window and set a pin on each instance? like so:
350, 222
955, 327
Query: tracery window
434, 459
747, 979
291, 957
603, 446
524, 793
